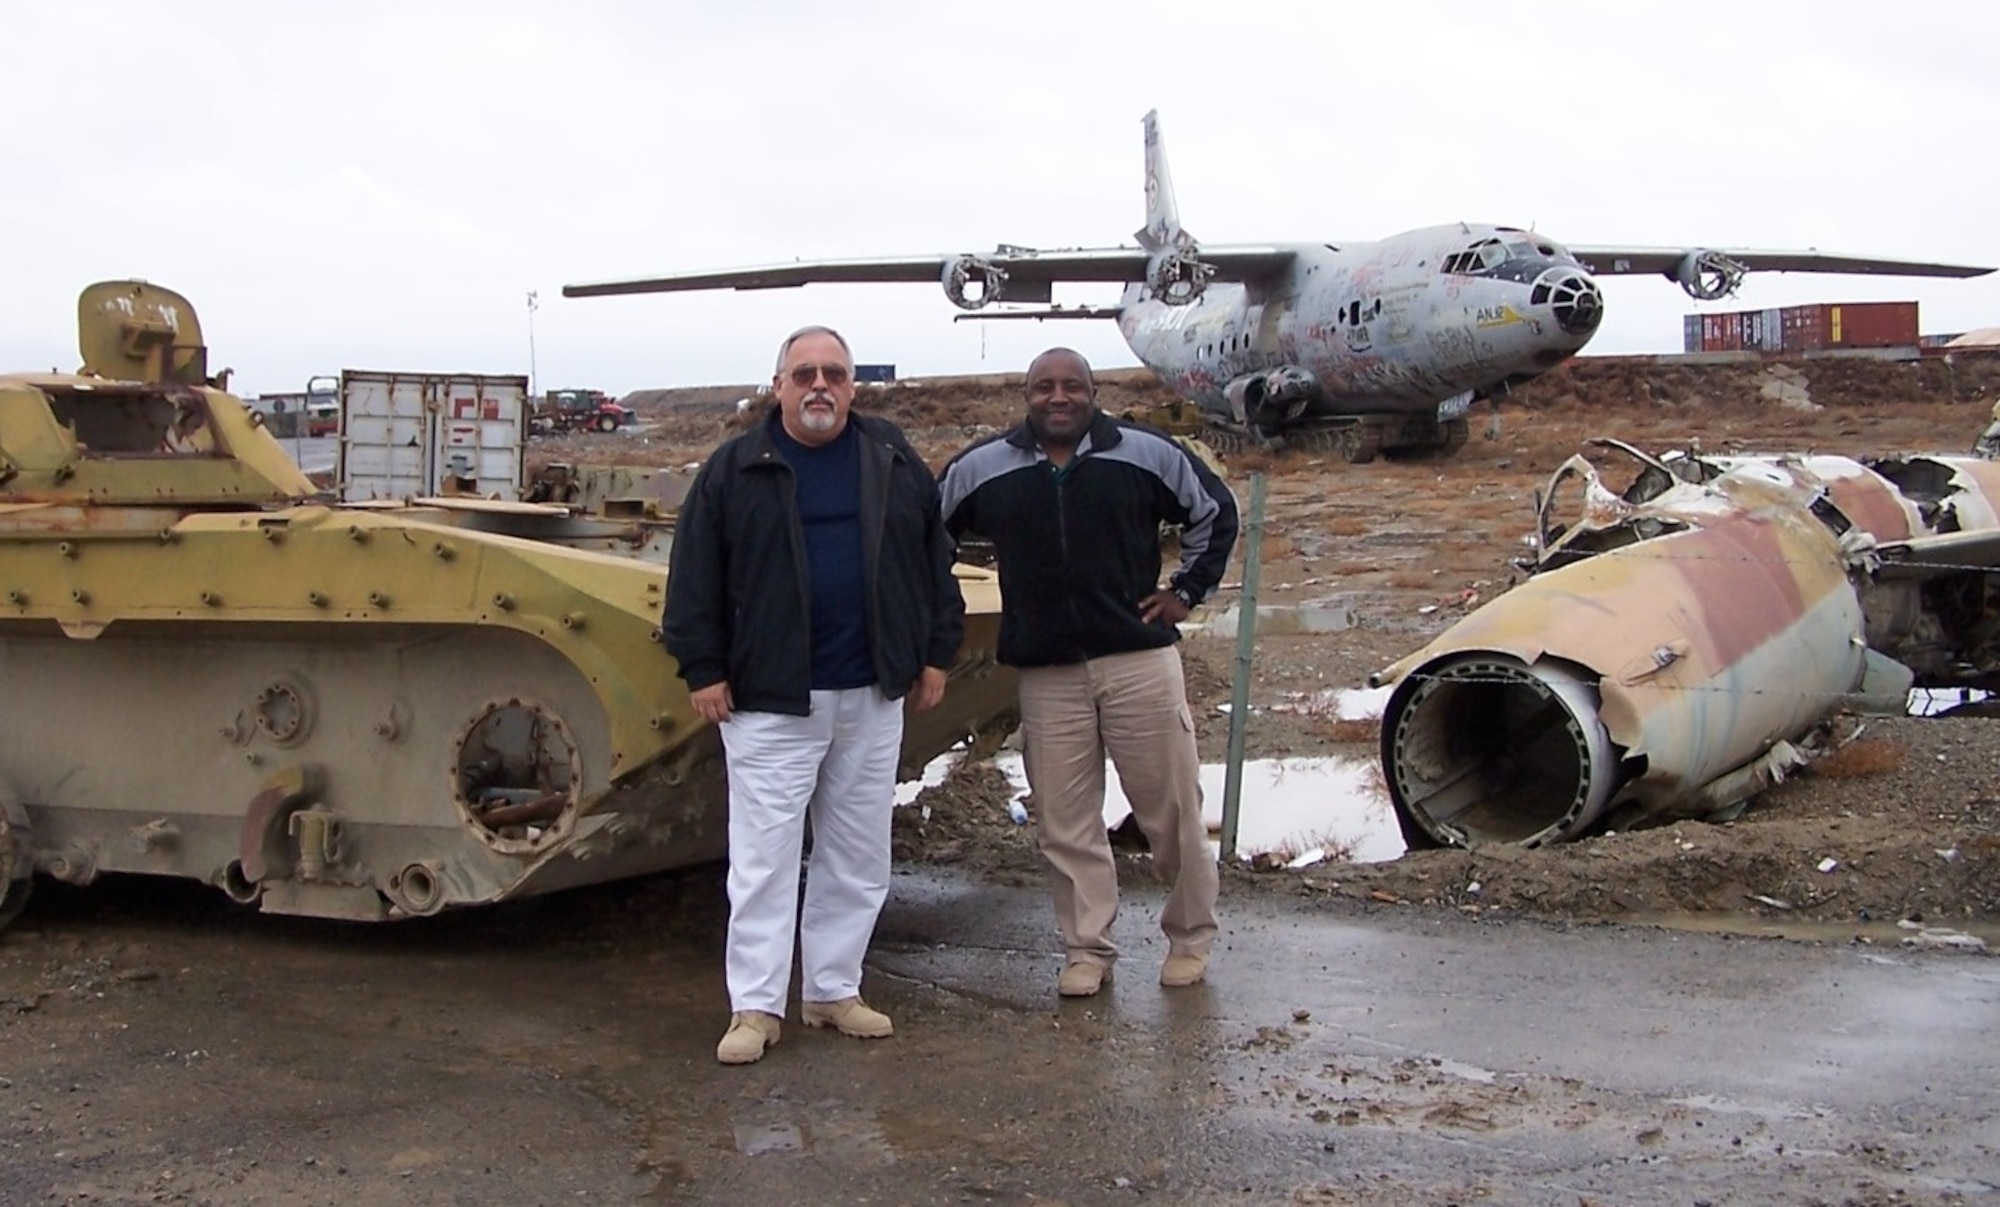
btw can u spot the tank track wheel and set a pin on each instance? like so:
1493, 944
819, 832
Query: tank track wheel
17, 869
1456, 432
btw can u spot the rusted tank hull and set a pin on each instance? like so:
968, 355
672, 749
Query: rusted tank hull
359, 712
388, 718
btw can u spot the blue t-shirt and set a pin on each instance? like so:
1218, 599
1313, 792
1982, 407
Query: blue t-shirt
827, 479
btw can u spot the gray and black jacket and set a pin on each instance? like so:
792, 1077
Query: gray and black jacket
1079, 547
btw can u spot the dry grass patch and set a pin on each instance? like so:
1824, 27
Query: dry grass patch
1860, 758
1355, 730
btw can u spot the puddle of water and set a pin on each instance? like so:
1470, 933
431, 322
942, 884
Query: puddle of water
1727, 1106
755, 1139
1304, 808
1463, 1071
1881, 934
1285, 620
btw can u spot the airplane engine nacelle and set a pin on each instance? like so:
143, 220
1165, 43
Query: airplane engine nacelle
1633, 685
966, 271
1274, 399
1176, 277
1708, 275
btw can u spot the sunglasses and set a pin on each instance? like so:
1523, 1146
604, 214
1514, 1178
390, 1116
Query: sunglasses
804, 375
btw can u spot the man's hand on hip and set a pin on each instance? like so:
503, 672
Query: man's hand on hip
1162, 605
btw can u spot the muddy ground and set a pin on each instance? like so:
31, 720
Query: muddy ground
1375, 1034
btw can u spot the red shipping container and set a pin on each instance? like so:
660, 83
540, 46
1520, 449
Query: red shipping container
1720, 333
1805, 328
1850, 325
1872, 325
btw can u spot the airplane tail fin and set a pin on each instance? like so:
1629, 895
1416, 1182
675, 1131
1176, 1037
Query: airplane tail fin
1163, 218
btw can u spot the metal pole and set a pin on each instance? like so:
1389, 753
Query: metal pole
1246, 643
531, 344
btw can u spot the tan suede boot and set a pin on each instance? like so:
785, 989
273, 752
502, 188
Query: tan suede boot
1081, 979
750, 1032
1182, 969
849, 1016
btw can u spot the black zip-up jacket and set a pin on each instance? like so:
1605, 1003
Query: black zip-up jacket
1079, 547
738, 607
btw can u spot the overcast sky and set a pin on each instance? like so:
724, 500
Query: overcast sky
380, 185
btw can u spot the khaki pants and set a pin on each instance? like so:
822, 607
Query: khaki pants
1132, 707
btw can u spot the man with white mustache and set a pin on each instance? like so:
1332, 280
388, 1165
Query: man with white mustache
810, 591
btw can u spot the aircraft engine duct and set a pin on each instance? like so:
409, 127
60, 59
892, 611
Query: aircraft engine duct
1708, 275
967, 271
1176, 277
1274, 399
1661, 678
1485, 748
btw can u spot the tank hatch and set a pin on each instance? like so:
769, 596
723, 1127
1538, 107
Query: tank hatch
142, 423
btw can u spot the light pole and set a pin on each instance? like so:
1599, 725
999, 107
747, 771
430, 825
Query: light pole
531, 343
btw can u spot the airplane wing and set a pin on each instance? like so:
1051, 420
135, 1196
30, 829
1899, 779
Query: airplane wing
1670, 261
1053, 312
1027, 271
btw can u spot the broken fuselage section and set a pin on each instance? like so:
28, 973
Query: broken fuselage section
1678, 637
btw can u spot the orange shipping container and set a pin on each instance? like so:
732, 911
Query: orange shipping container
1850, 325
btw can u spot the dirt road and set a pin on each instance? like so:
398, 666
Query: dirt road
160, 1048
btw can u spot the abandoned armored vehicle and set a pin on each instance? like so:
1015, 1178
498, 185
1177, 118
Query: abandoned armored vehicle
214, 673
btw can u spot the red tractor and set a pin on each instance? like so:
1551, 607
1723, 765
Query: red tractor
579, 410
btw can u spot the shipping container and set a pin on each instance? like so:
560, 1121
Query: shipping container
1873, 325
408, 435
1824, 325
879, 374
1721, 333
1810, 328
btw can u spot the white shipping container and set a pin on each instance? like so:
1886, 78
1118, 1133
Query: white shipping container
414, 435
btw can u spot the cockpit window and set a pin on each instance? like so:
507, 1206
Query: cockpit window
1487, 255
1482, 257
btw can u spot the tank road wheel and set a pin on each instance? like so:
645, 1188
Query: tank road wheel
607, 423
17, 865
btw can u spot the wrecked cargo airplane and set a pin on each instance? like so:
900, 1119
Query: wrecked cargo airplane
363, 713
1677, 639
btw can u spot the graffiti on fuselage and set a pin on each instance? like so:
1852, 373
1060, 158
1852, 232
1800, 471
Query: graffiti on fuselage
1397, 325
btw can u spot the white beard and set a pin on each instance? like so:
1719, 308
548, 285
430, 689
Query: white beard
813, 419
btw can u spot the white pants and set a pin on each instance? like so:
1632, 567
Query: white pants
839, 764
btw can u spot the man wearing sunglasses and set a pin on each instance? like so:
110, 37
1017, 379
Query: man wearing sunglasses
810, 592
1073, 500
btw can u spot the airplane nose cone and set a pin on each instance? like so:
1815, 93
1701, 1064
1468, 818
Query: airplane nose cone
1572, 297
